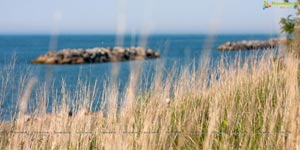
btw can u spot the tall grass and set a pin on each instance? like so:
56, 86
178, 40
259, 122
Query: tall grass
252, 104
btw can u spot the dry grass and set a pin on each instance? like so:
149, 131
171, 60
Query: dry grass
250, 105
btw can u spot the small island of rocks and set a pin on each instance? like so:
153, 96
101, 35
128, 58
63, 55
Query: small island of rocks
250, 45
96, 55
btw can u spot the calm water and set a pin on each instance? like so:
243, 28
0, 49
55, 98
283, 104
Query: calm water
182, 49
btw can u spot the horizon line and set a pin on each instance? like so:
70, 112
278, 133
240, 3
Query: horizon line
138, 34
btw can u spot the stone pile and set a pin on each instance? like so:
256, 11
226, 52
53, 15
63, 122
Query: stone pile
96, 55
250, 45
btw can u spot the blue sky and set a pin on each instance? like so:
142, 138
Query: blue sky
138, 16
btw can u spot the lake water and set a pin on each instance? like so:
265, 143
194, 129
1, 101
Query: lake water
182, 49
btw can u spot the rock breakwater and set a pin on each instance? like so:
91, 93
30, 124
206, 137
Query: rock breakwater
250, 45
96, 55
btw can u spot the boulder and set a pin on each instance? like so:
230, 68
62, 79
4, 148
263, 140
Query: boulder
51, 60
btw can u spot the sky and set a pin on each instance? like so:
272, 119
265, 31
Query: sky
138, 16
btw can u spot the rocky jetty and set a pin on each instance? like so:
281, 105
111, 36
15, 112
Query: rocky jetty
250, 45
96, 55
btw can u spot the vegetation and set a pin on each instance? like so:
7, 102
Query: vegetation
287, 26
291, 26
295, 48
230, 107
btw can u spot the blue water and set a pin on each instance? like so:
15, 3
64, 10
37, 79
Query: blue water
182, 49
